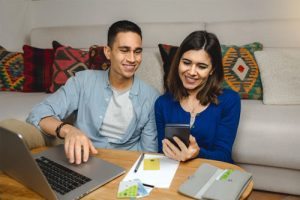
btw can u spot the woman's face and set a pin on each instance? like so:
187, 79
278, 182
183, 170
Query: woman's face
194, 69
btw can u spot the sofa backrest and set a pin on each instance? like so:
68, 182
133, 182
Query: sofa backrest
271, 33
85, 36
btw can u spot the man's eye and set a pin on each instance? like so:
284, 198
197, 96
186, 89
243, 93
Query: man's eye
124, 50
138, 51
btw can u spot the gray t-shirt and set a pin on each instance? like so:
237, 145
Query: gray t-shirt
118, 115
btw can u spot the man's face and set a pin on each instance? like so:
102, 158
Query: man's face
125, 55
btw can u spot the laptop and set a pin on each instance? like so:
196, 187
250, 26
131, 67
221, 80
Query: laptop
17, 161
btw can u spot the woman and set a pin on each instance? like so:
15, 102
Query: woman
196, 98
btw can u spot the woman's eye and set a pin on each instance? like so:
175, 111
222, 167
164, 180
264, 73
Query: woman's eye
186, 62
202, 66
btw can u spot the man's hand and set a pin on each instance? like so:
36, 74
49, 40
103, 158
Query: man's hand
77, 145
182, 154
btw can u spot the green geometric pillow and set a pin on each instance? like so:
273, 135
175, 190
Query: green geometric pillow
241, 72
11, 70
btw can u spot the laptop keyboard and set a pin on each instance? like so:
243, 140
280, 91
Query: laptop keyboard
61, 179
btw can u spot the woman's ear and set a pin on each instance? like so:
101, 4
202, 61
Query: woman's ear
107, 52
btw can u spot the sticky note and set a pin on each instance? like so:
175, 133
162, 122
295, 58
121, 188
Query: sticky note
152, 164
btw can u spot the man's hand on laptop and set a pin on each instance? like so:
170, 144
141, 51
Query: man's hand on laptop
78, 146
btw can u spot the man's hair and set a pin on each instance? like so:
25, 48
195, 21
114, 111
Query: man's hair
198, 40
121, 26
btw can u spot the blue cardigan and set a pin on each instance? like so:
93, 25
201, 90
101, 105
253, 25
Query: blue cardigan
214, 128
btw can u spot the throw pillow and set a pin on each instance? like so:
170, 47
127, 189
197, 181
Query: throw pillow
167, 53
37, 69
97, 59
280, 74
241, 72
67, 61
11, 70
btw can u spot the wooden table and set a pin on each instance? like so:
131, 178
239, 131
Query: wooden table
11, 189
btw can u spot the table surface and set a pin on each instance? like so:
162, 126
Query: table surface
11, 189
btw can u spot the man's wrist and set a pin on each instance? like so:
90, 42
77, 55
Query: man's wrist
59, 132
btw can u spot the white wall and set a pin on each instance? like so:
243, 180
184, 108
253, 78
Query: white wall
17, 17
15, 23
78, 12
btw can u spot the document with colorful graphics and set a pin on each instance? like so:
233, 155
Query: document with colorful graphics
210, 182
155, 170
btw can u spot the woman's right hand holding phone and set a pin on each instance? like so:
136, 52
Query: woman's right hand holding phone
184, 153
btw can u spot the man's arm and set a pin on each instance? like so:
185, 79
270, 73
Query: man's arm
75, 139
48, 114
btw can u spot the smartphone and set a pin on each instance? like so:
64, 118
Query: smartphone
182, 131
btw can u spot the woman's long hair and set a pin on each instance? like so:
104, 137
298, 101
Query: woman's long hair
198, 40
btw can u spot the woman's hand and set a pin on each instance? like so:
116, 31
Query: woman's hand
182, 154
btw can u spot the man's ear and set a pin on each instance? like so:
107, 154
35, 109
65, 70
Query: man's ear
107, 52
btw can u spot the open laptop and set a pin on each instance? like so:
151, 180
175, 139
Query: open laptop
17, 161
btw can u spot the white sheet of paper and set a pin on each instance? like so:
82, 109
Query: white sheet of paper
158, 178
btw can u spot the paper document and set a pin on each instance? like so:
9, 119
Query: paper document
159, 172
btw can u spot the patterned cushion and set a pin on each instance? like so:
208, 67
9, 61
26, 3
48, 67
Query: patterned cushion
241, 71
67, 61
97, 59
11, 70
37, 69
167, 53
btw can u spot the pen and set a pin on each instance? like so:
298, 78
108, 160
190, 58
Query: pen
139, 163
147, 185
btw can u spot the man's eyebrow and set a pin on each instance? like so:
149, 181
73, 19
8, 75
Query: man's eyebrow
128, 48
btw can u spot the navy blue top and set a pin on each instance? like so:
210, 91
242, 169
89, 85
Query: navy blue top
214, 128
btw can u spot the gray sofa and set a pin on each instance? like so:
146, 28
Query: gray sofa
268, 140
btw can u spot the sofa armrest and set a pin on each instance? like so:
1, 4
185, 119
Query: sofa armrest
32, 136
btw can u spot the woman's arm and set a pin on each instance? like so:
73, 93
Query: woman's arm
226, 130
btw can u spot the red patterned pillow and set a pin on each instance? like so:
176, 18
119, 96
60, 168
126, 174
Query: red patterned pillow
97, 59
11, 70
37, 69
67, 61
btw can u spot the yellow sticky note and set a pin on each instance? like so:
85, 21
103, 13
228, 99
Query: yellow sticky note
152, 164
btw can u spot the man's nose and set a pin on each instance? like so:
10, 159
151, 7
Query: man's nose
131, 56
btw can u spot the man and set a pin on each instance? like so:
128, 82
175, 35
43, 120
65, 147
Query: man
114, 108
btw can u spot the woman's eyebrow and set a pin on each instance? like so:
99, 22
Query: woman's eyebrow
200, 63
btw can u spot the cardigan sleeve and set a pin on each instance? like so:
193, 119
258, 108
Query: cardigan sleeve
160, 122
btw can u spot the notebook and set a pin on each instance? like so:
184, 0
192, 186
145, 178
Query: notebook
210, 182
17, 162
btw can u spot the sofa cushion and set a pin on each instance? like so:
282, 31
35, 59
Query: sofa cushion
37, 68
11, 70
241, 72
97, 59
19, 104
67, 61
268, 135
280, 72
150, 69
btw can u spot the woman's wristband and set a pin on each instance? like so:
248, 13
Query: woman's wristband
57, 130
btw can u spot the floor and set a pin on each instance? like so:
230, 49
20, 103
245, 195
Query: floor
262, 195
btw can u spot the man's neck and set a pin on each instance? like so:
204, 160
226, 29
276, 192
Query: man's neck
119, 83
